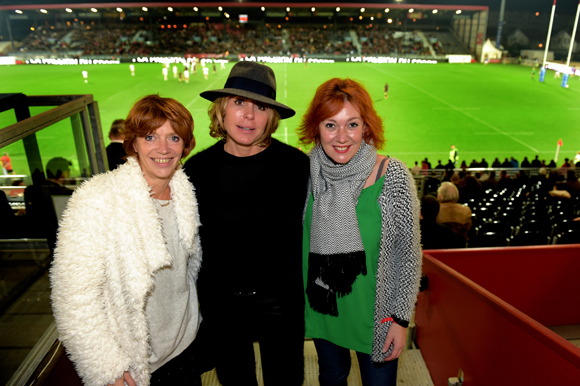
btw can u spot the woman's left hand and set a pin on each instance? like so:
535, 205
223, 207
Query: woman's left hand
398, 336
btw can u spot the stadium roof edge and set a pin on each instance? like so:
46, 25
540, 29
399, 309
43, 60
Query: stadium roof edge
248, 4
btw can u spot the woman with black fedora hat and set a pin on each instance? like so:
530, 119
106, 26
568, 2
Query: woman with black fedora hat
251, 190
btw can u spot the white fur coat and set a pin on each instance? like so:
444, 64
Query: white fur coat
109, 245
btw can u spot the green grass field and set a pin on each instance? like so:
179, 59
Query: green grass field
486, 111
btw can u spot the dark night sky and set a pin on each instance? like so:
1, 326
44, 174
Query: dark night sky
562, 6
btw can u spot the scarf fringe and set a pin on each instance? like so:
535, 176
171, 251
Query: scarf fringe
338, 272
321, 300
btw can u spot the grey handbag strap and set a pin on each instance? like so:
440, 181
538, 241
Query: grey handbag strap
381, 168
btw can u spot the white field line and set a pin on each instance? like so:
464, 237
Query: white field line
515, 133
474, 153
127, 90
457, 109
117, 94
210, 87
460, 108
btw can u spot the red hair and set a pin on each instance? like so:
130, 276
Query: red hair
329, 100
150, 113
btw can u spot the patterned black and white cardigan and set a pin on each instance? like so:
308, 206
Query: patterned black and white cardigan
399, 264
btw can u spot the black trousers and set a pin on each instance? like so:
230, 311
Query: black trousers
277, 325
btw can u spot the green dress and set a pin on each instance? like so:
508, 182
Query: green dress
353, 327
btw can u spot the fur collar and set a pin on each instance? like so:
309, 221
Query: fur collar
184, 206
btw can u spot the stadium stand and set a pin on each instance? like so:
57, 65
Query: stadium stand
523, 211
217, 38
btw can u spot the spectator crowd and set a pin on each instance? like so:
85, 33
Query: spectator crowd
217, 38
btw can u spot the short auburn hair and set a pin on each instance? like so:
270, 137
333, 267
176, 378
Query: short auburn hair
329, 99
150, 113
217, 114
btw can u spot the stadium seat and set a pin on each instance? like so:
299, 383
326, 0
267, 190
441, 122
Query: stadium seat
535, 225
513, 204
559, 219
484, 213
487, 240
535, 216
529, 238
564, 227
508, 217
496, 227
536, 196
571, 236
561, 204
534, 207
476, 221
472, 203
492, 204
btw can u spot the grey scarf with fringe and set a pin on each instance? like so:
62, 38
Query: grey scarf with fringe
337, 253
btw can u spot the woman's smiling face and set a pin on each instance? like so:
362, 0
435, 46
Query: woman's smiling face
159, 153
342, 134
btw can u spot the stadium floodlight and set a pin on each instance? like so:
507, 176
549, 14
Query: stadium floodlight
68, 10
411, 10
93, 10
145, 9
362, 9
387, 10
170, 9
18, 11
458, 11
43, 10
119, 9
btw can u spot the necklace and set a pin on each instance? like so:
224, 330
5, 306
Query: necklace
162, 205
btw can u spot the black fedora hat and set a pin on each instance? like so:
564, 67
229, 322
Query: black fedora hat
253, 81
